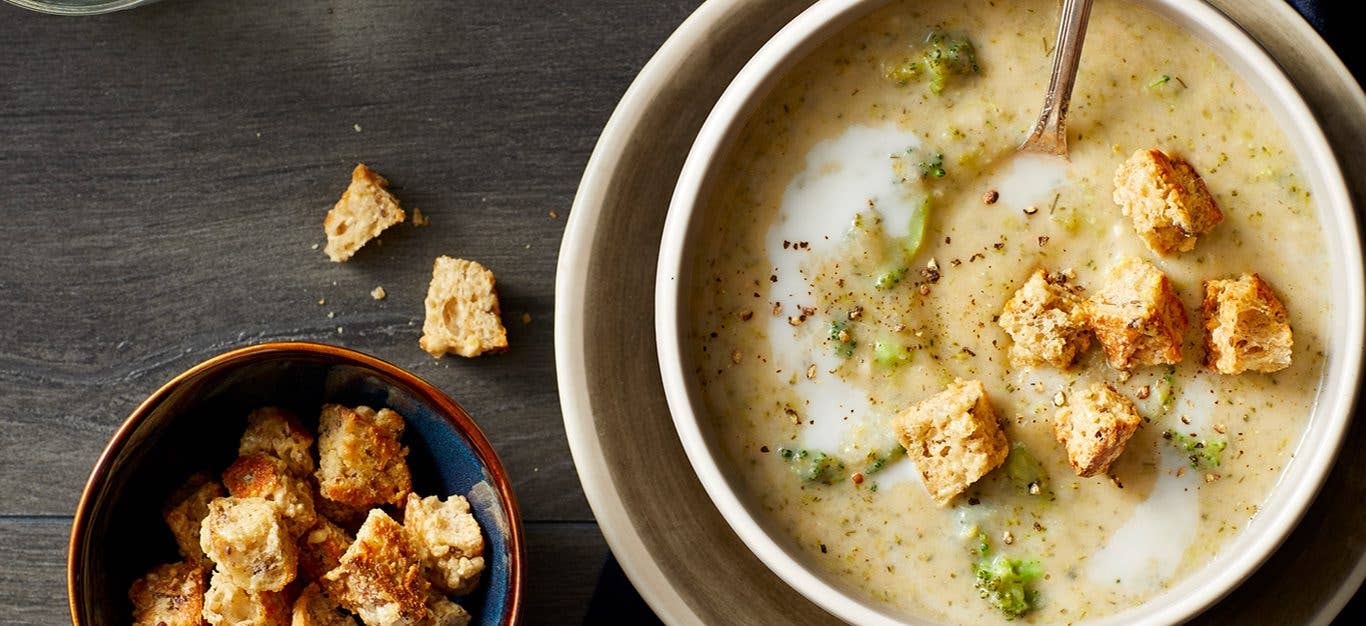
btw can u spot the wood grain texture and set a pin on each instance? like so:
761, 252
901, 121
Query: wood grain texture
166, 171
163, 177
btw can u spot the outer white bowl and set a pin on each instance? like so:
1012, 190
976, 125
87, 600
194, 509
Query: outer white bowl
1300, 479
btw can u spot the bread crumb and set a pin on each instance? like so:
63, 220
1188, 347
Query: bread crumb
380, 576
315, 608
362, 462
246, 537
1137, 317
554, 215
419, 220
279, 433
356, 126
228, 604
954, 439
365, 209
526, 318
1095, 427
1045, 321
1246, 327
378, 293
463, 316
1167, 200
169, 594
447, 539
185, 510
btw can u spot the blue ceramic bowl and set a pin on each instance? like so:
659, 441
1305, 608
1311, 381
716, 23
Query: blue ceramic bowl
192, 423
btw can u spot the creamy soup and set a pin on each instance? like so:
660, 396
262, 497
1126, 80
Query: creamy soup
854, 265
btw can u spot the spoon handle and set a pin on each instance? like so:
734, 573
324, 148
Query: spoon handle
1049, 135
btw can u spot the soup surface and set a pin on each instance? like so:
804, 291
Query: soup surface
853, 266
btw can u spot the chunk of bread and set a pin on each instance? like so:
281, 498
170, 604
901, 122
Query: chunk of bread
228, 604
347, 516
462, 311
447, 538
248, 540
170, 595
185, 511
321, 549
380, 576
315, 608
446, 613
262, 476
1136, 316
361, 461
1045, 322
953, 438
365, 209
1093, 426
1246, 327
276, 432
1167, 200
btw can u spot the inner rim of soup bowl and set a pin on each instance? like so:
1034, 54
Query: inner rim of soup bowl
1299, 480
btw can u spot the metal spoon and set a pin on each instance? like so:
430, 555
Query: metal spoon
1049, 135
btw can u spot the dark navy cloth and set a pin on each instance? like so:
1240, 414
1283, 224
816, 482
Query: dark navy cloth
1339, 21
616, 601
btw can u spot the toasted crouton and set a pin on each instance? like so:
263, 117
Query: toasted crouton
169, 595
365, 209
447, 538
185, 510
228, 604
380, 576
276, 432
1045, 322
261, 476
315, 608
362, 462
321, 549
953, 438
1168, 201
1094, 426
247, 538
462, 311
1136, 316
1245, 327
446, 613
347, 516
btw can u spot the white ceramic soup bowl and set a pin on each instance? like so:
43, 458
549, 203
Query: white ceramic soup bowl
1300, 479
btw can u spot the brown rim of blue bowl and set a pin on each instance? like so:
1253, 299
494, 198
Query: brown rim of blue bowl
443, 403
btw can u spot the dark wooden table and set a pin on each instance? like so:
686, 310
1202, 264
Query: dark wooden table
163, 177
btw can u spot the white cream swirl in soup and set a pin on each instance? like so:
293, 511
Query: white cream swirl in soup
871, 224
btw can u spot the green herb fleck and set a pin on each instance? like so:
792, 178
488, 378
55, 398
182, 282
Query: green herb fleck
877, 463
890, 278
1008, 584
1203, 452
942, 56
1166, 390
843, 338
813, 466
933, 166
890, 353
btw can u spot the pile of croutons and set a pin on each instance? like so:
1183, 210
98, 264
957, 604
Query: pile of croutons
1137, 319
279, 549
